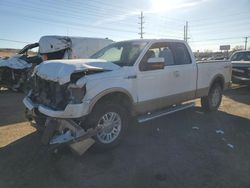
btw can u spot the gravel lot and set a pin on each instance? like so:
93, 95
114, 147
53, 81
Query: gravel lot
179, 150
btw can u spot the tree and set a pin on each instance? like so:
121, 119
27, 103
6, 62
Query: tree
238, 47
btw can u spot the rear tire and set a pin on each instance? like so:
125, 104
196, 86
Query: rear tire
212, 101
114, 120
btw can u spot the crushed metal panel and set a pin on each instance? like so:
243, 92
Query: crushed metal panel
49, 44
15, 62
61, 70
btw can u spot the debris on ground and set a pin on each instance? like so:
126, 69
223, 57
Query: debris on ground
230, 145
219, 132
82, 146
195, 128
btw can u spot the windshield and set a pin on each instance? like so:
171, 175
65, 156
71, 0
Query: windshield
121, 53
241, 56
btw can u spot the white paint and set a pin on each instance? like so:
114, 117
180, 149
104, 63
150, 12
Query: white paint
61, 70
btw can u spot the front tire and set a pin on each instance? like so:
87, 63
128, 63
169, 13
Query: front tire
113, 119
212, 101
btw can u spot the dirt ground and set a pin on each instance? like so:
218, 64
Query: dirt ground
10, 52
178, 150
6, 53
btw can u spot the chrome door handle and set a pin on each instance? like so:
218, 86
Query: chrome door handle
131, 77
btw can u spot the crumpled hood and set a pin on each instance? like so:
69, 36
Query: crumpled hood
14, 62
61, 70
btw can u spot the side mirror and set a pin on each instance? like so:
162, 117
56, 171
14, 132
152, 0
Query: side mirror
155, 63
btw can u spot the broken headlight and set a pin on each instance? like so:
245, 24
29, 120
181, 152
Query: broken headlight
76, 93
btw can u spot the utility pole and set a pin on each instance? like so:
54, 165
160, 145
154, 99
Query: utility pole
186, 31
246, 42
141, 25
184, 37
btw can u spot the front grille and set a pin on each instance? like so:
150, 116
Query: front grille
241, 71
50, 94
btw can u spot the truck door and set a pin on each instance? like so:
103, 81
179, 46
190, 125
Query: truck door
182, 74
171, 85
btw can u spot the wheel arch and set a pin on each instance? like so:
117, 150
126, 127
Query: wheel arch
218, 78
114, 94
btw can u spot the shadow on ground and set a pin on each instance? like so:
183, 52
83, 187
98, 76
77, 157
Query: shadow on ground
239, 93
12, 108
167, 152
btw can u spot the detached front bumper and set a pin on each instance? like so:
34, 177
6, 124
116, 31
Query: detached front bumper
71, 110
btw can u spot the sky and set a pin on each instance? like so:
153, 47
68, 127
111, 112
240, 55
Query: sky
211, 23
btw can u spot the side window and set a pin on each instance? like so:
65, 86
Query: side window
181, 54
247, 58
166, 53
161, 50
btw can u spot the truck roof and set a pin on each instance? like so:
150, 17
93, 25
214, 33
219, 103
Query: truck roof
154, 40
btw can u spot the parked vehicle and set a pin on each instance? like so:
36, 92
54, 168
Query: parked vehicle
95, 98
241, 67
15, 70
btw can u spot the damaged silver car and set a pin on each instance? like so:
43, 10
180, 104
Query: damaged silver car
15, 70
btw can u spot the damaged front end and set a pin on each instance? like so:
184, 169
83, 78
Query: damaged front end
66, 132
59, 101
47, 103
16, 71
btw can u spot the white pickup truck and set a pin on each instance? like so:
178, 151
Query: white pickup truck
95, 97
241, 67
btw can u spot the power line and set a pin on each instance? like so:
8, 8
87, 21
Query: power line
17, 41
218, 17
73, 23
223, 23
217, 39
75, 13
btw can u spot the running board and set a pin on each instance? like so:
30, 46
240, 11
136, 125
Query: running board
170, 110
